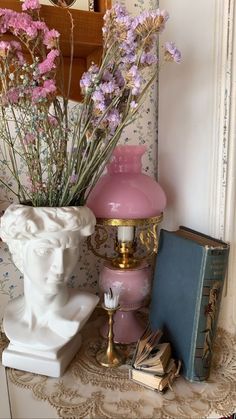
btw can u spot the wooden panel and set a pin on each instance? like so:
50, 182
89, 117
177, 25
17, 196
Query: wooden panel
87, 36
87, 26
79, 67
102, 5
94, 57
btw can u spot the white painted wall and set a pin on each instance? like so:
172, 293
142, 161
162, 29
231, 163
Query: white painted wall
186, 107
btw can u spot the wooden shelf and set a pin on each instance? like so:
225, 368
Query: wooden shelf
87, 36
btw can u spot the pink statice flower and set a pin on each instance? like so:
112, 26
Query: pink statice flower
39, 93
9, 46
34, 187
29, 139
40, 26
4, 48
49, 63
53, 121
51, 38
31, 5
11, 97
172, 53
15, 48
18, 23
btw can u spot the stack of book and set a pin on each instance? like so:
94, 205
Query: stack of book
153, 365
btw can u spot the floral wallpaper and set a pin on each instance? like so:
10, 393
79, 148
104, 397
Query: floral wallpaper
142, 131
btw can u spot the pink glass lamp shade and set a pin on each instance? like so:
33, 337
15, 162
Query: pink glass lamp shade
124, 191
125, 194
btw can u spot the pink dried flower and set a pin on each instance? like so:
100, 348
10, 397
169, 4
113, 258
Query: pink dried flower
4, 48
51, 38
34, 187
52, 121
29, 139
12, 95
31, 5
47, 89
8, 46
48, 64
49, 86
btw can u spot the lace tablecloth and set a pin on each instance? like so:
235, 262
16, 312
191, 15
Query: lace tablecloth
88, 390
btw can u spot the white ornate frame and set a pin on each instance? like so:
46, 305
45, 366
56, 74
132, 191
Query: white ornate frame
222, 206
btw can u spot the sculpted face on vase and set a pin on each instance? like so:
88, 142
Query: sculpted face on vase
45, 244
48, 262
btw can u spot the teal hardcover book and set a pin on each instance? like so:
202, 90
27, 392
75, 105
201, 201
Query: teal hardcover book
186, 293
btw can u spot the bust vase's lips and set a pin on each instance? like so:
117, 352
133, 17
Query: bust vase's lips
55, 279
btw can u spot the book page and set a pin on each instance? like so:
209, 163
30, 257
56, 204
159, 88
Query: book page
157, 358
146, 344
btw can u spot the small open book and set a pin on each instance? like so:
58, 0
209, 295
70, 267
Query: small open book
152, 364
151, 355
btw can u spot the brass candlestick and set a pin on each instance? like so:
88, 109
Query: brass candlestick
111, 356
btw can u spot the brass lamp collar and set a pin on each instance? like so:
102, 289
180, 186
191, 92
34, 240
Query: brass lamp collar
132, 222
125, 250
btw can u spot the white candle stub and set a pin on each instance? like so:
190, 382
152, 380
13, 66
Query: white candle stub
125, 233
111, 300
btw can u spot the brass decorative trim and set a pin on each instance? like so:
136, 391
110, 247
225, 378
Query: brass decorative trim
133, 222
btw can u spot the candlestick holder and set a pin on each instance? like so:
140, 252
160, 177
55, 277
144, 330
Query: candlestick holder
111, 356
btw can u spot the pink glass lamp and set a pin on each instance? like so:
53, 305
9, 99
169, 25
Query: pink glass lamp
133, 202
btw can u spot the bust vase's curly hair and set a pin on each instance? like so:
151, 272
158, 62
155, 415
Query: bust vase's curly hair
21, 223
25, 222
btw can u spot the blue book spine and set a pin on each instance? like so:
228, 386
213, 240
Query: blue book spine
207, 311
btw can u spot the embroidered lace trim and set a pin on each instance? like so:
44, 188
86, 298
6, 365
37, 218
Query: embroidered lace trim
88, 390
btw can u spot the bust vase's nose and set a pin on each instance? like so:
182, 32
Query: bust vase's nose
58, 261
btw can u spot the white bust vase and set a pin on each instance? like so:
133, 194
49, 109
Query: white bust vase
43, 325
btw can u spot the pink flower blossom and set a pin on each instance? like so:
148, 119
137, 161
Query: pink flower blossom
48, 64
12, 95
52, 121
41, 26
21, 58
17, 23
4, 48
29, 139
31, 5
50, 38
42, 92
34, 187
